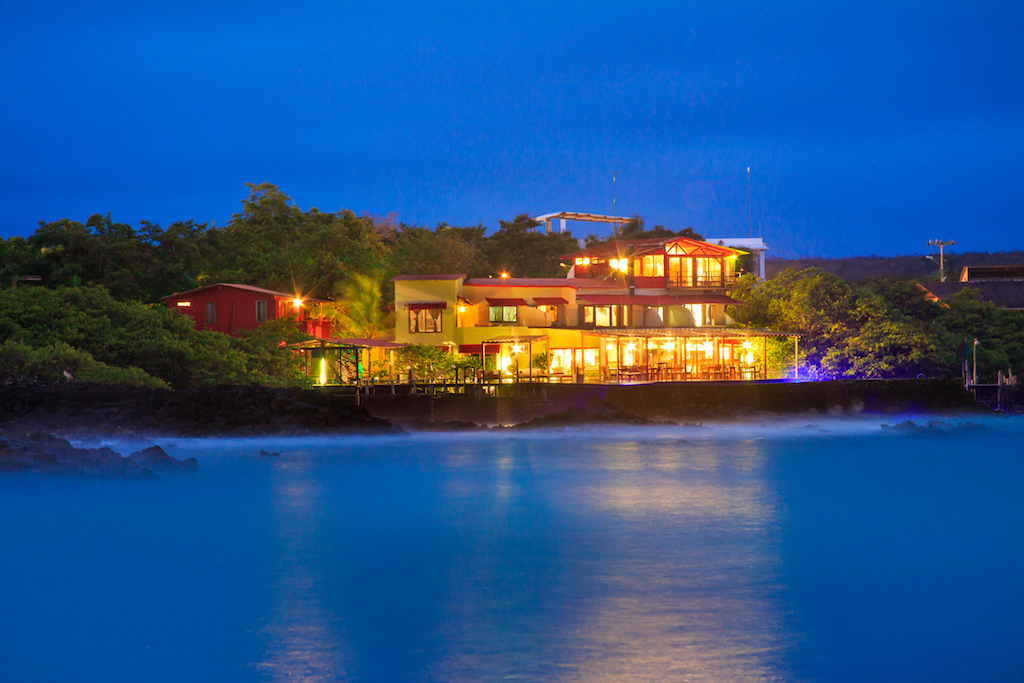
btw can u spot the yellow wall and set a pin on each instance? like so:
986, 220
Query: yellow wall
424, 291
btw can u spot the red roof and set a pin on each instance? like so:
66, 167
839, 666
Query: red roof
620, 248
657, 299
575, 283
507, 302
549, 300
251, 288
450, 276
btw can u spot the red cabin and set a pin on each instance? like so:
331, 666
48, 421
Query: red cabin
232, 308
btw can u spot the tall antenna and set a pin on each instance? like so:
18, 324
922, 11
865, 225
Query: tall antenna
940, 244
614, 210
750, 208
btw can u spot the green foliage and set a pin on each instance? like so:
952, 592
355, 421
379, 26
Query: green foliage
155, 339
431, 364
846, 331
274, 244
359, 308
443, 250
517, 249
50, 363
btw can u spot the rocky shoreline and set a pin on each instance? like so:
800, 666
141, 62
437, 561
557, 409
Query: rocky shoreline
47, 454
80, 408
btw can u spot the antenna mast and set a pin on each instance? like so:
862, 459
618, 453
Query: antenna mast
614, 210
940, 244
750, 208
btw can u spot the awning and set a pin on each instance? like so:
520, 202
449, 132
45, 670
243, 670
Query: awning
507, 302
471, 348
657, 300
428, 305
549, 300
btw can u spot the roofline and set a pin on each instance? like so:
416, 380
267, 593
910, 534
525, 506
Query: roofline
250, 288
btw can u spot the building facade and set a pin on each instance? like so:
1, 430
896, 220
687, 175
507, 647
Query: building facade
231, 308
638, 310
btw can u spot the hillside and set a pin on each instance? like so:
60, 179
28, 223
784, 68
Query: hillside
910, 267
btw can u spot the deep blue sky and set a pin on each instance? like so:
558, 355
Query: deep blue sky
869, 128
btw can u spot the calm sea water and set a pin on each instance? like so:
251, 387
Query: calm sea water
829, 551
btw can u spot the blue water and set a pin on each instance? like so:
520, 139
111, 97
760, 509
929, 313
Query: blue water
764, 552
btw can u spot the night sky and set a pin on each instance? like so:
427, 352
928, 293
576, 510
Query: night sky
869, 128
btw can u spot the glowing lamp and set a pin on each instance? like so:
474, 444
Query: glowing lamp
297, 303
462, 309
517, 349
504, 275
631, 346
666, 346
184, 304
746, 345
323, 371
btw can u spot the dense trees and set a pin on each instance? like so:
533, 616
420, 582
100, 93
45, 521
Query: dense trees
882, 328
90, 317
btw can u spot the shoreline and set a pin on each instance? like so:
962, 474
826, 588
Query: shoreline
78, 408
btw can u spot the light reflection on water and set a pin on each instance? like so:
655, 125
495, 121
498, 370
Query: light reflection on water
302, 644
726, 553
667, 572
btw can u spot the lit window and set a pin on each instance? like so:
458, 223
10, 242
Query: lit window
425, 320
503, 314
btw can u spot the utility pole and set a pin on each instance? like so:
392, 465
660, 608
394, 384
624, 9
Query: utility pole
975, 373
750, 208
614, 210
940, 244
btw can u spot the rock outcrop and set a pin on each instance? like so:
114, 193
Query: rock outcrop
38, 452
74, 407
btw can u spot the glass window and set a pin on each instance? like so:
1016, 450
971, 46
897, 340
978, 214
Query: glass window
503, 314
588, 315
261, 311
603, 316
425, 320
211, 312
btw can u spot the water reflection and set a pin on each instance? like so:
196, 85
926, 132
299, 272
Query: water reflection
302, 643
616, 561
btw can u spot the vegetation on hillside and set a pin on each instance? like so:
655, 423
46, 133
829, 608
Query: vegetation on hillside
98, 313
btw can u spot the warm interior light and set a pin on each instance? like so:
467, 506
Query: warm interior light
184, 303
297, 303
586, 261
462, 309
323, 371
666, 346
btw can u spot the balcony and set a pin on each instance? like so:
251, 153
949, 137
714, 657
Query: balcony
718, 281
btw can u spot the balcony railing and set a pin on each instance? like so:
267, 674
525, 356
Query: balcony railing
703, 281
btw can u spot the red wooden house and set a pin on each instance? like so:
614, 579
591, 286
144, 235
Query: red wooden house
231, 308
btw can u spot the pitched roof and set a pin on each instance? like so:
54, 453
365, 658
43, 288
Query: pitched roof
647, 245
251, 288
1008, 295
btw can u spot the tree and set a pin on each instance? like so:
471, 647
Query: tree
359, 309
517, 249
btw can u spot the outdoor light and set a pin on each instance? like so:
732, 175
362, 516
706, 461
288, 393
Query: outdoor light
462, 309
504, 275
323, 371
631, 346
297, 303
517, 349
184, 303
746, 345
666, 346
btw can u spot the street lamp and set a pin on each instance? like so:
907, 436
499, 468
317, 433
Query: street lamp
940, 244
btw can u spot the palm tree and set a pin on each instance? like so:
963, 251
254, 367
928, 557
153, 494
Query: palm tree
358, 309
